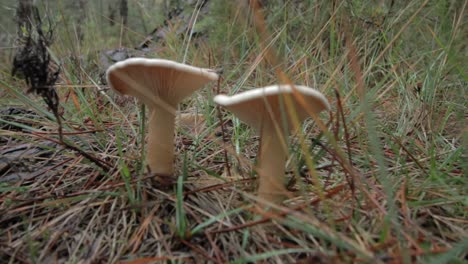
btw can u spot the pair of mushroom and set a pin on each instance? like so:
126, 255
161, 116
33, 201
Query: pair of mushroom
162, 84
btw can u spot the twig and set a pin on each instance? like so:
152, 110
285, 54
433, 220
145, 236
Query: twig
349, 177
270, 215
199, 251
223, 131
98, 162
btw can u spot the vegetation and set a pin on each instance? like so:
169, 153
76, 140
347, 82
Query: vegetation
381, 178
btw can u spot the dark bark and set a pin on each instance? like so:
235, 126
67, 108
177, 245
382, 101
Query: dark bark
124, 12
32, 60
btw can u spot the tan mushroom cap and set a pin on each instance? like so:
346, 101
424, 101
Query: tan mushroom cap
160, 85
262, 104
147, 79
266, 110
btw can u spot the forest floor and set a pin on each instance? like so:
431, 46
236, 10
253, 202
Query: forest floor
380, 178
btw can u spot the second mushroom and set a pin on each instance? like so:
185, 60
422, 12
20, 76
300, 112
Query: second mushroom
160, 85
265, 109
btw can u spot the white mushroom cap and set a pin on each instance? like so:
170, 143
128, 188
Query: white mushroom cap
266, 110
167, 80
256, 105
161, 85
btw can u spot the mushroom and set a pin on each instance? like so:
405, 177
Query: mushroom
263, 110
160, 85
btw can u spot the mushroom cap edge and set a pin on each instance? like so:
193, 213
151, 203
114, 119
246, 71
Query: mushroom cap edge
163, 63
225, 100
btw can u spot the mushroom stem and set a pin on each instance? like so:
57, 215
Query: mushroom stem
272, 160
160, 149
